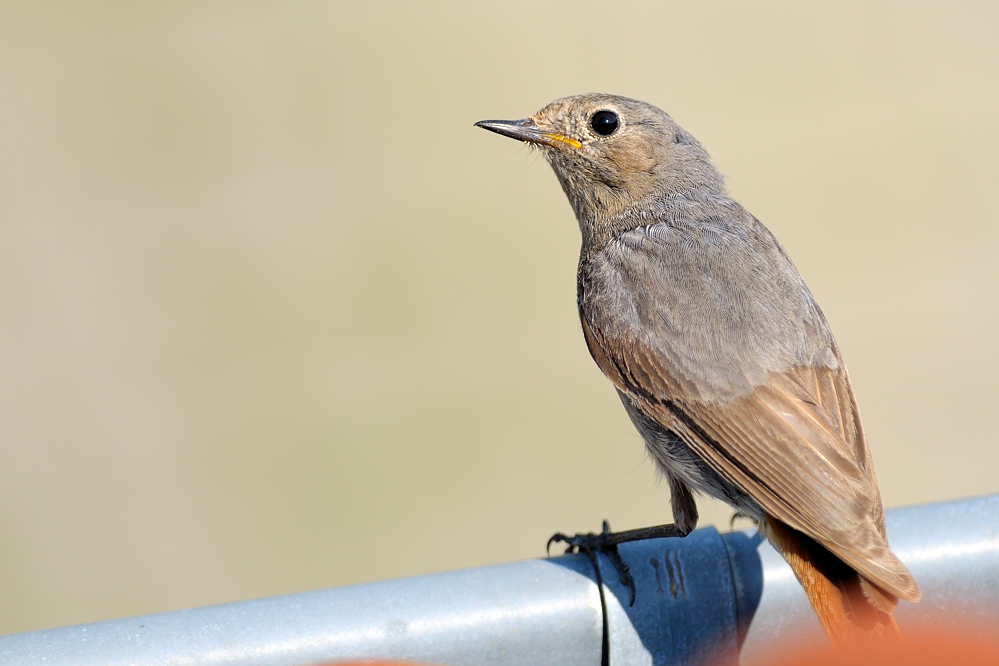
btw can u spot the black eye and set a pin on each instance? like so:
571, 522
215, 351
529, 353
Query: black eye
604, 122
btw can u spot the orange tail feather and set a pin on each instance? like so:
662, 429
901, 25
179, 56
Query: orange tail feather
848, 606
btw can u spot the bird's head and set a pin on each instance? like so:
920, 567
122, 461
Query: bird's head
611, 153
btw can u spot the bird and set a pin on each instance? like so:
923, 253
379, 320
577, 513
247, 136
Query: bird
720, 354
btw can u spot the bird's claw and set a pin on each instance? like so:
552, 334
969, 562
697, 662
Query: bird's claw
591, 543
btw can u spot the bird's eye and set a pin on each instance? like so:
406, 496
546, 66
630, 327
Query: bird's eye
604, 122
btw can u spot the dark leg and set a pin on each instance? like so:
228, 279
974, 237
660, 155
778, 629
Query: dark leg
684, 506
684, 517
606, 542
607, 539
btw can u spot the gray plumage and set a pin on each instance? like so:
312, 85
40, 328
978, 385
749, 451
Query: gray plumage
719, 352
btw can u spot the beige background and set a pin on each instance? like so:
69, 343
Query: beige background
274, 316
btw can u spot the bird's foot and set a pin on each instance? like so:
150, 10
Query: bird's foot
607, 542
739, 515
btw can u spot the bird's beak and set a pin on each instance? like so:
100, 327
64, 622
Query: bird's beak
526, 130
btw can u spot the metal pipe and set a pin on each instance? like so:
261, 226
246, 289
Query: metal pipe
952, 549
708, 591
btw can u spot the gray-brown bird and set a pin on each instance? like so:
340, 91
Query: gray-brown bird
721, 356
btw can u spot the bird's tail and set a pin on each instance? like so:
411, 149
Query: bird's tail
849, 607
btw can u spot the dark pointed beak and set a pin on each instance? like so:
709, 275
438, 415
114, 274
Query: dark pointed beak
526, 130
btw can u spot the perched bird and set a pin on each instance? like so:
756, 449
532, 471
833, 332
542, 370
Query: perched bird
720, 354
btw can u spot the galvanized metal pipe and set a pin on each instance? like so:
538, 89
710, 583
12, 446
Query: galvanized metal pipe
704, 591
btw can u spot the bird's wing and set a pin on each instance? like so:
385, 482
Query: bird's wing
784, 446
792, 441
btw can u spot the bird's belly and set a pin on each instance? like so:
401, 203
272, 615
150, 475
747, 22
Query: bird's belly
678, 461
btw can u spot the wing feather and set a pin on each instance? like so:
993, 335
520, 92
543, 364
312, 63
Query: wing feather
781, 448
777, 419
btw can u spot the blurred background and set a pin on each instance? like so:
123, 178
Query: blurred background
274, 316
